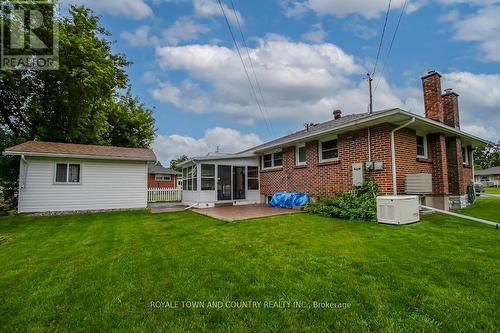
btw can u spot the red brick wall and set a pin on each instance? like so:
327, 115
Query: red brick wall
172, 183
328, 178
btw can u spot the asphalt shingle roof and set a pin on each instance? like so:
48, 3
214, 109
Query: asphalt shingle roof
58, 148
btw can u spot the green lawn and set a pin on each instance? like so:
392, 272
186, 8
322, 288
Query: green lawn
493, 190
100, 272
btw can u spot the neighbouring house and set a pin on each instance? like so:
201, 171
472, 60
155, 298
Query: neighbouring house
75, 177
161, 177
489, 177
404, 152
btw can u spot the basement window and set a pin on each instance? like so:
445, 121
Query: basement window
422, 150
465, 155
328, 150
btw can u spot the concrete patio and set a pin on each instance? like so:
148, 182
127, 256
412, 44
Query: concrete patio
243, 212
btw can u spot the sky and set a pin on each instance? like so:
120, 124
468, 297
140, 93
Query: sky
303, 58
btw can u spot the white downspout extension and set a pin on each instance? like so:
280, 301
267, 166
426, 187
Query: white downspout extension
393, 155
369, 144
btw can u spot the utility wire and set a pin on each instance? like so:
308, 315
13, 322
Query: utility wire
245, 68
381, 38
250, 60
390, 46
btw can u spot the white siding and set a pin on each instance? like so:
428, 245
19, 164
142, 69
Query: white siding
105, 184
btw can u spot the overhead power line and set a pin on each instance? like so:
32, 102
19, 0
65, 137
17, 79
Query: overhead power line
381, 38
257, 82
245, 68
390, 46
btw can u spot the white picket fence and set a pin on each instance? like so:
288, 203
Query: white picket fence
156, 194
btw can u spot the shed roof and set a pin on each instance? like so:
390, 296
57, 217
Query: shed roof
487, 172
58, 149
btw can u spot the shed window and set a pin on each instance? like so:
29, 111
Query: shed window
253, 178
422, 146
329, 150
207, 177
67, 173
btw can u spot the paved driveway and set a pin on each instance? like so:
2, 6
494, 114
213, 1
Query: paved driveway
243, 212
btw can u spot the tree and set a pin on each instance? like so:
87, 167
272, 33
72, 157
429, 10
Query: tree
87, 100
488, 157
175, 162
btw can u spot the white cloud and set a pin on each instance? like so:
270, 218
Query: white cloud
139, 37
482, 27
209, 8
316, 35
299, 81
184, 29
360, 30
168, 147
134, 9
368, 9
450, 16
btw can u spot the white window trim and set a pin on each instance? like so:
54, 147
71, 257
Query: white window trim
320, 149
297, 162
208, 177
272, 161
162, 178
258, 177
426, 147
466, 160
55, 182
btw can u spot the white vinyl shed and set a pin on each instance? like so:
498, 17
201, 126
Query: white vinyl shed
221, 179
72, 177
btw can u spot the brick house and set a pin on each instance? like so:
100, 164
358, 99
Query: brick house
161, 177
392, 145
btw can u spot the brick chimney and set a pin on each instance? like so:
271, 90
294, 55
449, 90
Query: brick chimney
450, 108
433, 102
337, 114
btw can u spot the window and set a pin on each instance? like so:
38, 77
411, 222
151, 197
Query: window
253, 178
422, 146
465, 155
329, 150
300, 154
67, 173
189, 179
207, 177
162, 178
268, 161
273, 160
278, 159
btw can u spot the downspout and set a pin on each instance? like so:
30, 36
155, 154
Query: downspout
393, 155
369, 144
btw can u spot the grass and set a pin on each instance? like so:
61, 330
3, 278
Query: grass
493, 190
100, 272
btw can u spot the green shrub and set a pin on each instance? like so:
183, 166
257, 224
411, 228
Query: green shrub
358, 204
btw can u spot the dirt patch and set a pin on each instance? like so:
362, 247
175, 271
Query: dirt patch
5, 238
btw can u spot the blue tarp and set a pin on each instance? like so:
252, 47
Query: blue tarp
289, 200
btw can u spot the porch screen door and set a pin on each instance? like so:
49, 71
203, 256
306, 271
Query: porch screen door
224, 182
238, 183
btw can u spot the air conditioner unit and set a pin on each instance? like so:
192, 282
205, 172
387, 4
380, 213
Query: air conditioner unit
398, 209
